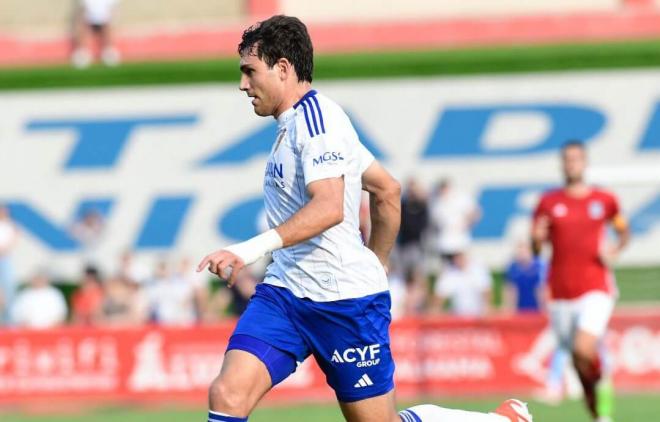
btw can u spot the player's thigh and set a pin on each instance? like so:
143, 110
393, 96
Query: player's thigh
266, 330
594, 313
241, 383
350, 341
262, 351
375, 409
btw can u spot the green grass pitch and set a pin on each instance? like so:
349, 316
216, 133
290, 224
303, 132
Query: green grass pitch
630, 408
632, 54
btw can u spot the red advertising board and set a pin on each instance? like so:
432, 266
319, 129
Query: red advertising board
434, 356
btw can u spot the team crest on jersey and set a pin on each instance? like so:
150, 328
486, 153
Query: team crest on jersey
596, 210
559, 210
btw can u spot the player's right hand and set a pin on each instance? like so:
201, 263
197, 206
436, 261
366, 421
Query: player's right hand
541, 228
224, 264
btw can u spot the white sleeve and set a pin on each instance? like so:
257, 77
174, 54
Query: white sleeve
365, 157
323, 157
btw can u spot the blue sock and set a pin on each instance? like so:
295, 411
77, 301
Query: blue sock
220, 417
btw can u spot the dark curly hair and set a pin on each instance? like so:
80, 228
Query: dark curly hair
281, 37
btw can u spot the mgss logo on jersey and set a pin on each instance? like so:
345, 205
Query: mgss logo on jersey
364, 356
327, 157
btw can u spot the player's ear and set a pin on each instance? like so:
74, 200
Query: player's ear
284, 67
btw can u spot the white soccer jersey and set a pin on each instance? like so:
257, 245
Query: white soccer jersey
315, 141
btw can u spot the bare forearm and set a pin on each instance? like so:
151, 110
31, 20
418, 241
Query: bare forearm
385, 221
622, 230
623, 239
384, 208
540, 233
311, 220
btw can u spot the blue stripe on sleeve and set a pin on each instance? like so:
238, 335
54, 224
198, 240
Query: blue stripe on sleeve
311, 109
318, 107
309, 127
309, 93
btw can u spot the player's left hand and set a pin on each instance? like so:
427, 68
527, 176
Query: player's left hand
608, 254
224, 264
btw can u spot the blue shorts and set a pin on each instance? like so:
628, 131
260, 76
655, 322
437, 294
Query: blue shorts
348, 338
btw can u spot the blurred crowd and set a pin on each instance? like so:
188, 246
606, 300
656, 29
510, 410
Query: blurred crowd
172, 294
131, 294
432, 271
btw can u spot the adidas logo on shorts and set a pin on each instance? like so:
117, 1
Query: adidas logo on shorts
364, 381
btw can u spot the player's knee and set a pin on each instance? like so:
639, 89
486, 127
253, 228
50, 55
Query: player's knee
584, 352
228, 399
583, 359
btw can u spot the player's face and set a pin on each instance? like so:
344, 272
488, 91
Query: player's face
261, 83
574, 163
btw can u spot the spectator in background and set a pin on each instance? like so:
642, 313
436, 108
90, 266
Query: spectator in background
8, 239
467, 285
87, 301
39, 305
242, 292
525, 292
414, 221
171, 297
410, 294
200, 284
124, 303
452, 213
93, 17
88, 231
232, 301
525, 276
132, 270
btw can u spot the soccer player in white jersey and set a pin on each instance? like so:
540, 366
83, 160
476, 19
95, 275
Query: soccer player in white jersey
325, 293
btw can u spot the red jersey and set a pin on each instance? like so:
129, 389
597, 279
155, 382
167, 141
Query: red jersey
576, 231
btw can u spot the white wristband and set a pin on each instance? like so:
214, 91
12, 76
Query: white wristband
253, 249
